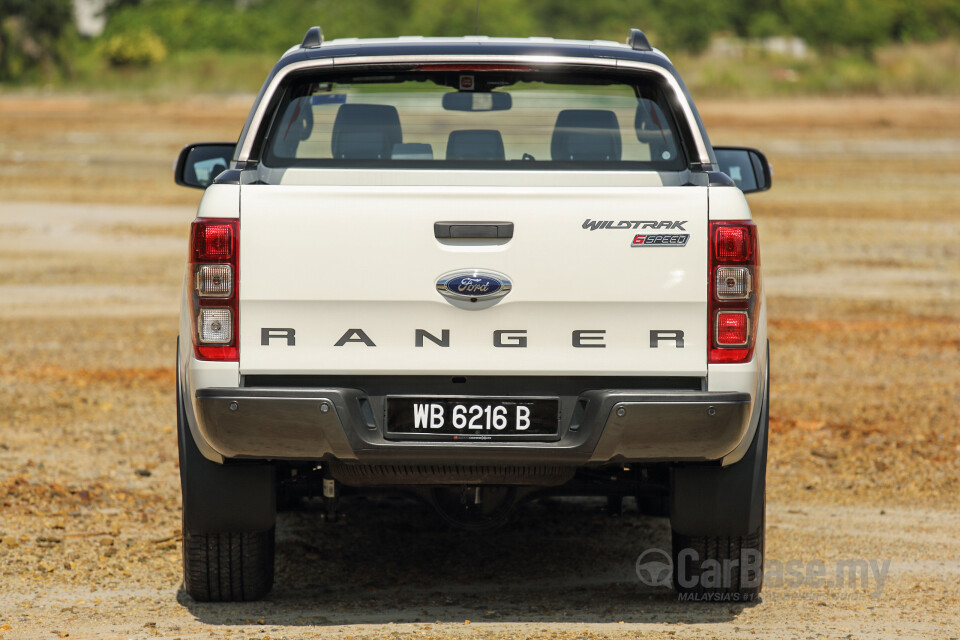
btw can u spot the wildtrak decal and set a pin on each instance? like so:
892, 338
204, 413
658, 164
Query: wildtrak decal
594, 225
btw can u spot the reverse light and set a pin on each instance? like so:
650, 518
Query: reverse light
214, 280
733, 283
215, 326
215, 295
734, 291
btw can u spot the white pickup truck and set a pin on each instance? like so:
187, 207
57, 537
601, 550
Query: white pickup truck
483, 270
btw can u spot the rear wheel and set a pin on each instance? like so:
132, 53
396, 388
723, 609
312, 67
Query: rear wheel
717, 518
229, 511
225, 567
718, 568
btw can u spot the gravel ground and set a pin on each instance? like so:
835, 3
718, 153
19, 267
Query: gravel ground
861, 255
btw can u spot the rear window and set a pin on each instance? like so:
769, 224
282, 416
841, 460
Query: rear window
474, 117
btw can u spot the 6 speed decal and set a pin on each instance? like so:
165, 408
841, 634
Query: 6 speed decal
660, 240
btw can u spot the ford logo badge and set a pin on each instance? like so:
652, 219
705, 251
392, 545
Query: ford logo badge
473, 285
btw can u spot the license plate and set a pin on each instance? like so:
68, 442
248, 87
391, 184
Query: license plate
442, 418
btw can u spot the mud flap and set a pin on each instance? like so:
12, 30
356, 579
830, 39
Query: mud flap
724, 501
222, 498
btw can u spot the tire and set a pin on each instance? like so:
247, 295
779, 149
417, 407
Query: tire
718, 568
228, 567
717, 517
229, 512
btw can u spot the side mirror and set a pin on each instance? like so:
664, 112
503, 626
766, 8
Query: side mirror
199, 163
747, 167
477, 101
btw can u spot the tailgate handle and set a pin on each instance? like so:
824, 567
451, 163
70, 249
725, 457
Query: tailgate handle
473, 230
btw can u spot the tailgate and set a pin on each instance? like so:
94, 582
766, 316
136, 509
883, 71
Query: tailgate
338, 280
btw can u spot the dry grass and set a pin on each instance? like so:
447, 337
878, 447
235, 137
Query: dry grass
80, 149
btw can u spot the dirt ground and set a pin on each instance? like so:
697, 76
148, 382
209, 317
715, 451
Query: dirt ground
861, 262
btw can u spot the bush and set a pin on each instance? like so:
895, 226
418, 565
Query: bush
827, 24
135, 49
35, 38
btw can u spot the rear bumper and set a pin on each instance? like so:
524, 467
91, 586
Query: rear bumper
596, 427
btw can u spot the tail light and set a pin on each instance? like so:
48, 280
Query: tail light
734, 291
214, 261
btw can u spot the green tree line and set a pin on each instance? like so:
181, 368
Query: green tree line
38, 34
685, 24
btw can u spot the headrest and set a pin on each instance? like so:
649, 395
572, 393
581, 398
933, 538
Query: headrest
586, 135
365, 131
296, 125
475, 144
